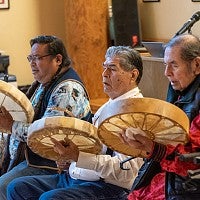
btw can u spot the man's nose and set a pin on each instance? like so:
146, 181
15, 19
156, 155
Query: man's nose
106, 72
167, 70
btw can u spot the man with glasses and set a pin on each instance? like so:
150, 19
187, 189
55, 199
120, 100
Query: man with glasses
54, 86
35, 58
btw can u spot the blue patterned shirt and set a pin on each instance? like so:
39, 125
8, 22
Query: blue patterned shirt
69, 95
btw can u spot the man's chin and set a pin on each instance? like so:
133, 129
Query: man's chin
106, 91
36, 77
176, 88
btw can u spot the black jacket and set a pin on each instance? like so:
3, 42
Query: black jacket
176, 187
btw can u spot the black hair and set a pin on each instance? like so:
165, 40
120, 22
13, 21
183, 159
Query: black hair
55, 46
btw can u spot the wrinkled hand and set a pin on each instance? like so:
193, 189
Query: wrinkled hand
62, 165
6, 120
138, 139
67, 150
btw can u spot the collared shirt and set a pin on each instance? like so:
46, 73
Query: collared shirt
93, 167
130, 94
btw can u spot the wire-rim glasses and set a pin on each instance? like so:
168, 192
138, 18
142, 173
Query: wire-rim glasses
33, 58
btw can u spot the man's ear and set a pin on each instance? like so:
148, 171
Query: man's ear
135, 74
197, 65
59, 58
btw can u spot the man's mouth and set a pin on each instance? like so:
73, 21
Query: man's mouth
34, 71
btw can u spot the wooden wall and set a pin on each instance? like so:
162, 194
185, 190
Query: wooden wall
86, 24
154, 83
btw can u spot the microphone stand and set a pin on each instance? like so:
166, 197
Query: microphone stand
188, 29
188, 25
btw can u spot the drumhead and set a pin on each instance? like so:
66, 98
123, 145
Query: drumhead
163, 122
16, 102
82, 133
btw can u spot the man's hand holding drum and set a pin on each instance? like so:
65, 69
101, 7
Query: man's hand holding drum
68, 152
138, 139
6, 120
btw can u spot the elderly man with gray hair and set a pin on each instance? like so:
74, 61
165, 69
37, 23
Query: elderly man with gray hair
92, 176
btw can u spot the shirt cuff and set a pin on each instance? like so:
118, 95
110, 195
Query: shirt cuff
158, 152
86, 160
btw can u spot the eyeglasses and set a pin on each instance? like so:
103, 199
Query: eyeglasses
34, 58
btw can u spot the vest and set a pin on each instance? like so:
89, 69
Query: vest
33, 159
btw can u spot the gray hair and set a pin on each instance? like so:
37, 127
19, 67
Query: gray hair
129, 59
189, 46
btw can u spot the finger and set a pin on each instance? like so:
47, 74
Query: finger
135, 144
61, 163
64, 142
121, 137
123, 134
54, 141
142, 139
3, 110
57, 143
146, 142
58, 147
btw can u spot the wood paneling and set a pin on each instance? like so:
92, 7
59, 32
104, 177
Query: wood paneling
97, 103
86, 23
154, 83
